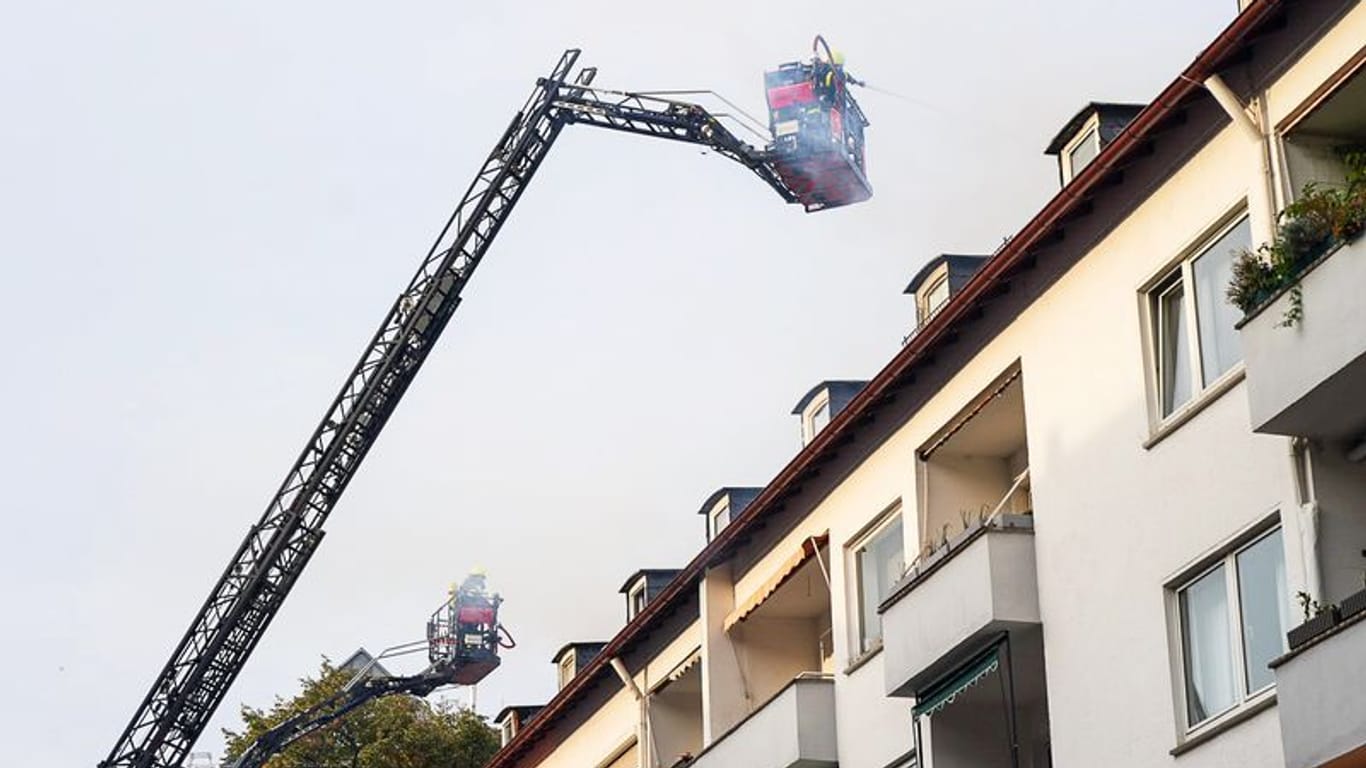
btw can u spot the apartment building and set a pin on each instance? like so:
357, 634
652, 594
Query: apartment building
1067, 524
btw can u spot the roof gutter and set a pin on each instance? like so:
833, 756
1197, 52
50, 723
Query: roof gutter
1206, 64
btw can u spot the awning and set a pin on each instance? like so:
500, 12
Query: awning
806, 551
994, 391
942, 694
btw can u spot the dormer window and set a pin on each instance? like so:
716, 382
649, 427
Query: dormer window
508, 730
642, 587
725, 505
822, 403
937, 281
1088, 132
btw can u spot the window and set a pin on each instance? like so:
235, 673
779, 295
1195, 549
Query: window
566, 668
1193, 336
1083, 152
817, 418
720, 517
507, 730
637, 601
878, 564
1233, 619
935, 297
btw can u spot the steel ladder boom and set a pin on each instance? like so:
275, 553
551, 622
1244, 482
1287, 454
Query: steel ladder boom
247, 596
334, 708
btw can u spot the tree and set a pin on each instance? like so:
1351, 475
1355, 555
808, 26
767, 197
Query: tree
398, 731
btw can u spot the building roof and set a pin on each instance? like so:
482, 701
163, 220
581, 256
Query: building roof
985, 285
524, 712
1113, 118
843, 388
953, 260
362, 659
648, 573
595, 647
741, 496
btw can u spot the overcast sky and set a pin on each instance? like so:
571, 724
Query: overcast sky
207, 207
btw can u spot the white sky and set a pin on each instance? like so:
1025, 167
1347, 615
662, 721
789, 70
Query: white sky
208, 206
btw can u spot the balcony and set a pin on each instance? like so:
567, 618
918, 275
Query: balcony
794, 729
977, 587
1305, 380
1321, 695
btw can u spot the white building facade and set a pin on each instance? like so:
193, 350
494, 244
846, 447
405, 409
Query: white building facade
1072, 521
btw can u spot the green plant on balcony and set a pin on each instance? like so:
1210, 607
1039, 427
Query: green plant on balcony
1322, 218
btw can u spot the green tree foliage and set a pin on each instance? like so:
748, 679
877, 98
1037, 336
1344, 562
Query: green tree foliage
399, 731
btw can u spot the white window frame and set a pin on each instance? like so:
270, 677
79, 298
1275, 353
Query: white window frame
637, 591
507, 729
809, 429
1181, 272
926, 311
1225, 556
565, 668
1090, 130
722, 506
856, 545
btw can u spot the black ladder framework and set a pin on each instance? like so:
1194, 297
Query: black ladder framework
231, 621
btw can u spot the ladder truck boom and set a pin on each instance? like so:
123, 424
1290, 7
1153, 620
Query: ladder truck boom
247, 595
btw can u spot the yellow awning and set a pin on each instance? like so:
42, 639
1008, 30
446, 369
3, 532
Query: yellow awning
806, 551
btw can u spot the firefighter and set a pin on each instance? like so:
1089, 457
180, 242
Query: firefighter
476, 615
831, 77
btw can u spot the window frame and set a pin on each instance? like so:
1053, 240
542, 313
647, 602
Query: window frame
637, 591
809, 428
856, 545
1180, 271
1224, 556
940, 277
1089, 131
565, 668
722, 507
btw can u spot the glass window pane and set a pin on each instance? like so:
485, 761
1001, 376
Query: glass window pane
720, 519
820, 417
1173, 348
1219, 349
1264, 604
880, 564
1207, 647
936, 297
1084, 153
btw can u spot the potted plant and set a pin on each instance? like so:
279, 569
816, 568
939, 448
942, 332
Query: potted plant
1323, 218
1317, 620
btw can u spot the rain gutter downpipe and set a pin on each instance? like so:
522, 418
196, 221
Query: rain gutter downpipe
645, 734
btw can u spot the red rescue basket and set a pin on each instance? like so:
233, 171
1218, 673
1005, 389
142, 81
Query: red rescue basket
817, 131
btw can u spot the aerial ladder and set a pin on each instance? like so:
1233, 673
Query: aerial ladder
264, 568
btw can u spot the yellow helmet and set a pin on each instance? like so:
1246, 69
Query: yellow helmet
837, 58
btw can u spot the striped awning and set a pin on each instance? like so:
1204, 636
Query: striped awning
808, 549
942, 694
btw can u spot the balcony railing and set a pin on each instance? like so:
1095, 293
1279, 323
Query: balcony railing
1305, 378
794, 728
1321, 698
980, 585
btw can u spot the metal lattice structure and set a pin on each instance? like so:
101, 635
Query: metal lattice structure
263, 570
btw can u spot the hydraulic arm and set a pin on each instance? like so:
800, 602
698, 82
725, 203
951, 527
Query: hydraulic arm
265, 566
